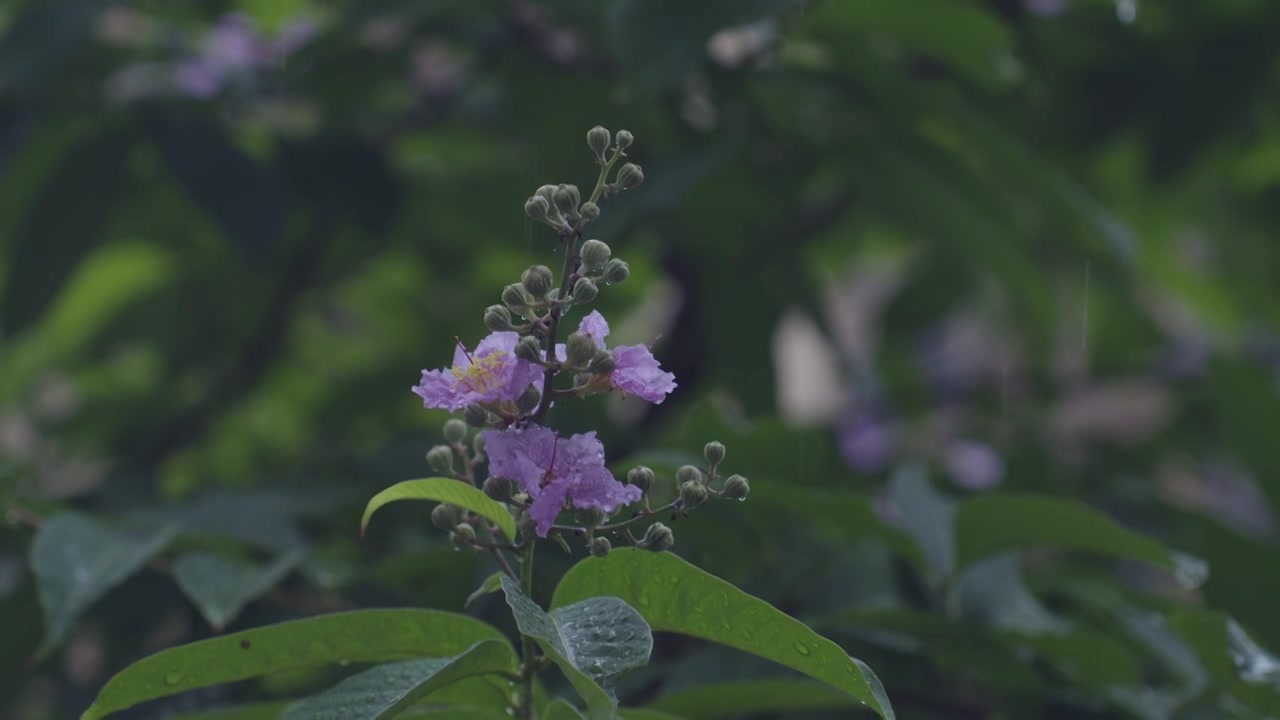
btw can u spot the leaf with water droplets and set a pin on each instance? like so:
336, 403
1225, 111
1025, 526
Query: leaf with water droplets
360, 636
595, 642
699, 603
383, 691
445, 490
76, 560
220, 585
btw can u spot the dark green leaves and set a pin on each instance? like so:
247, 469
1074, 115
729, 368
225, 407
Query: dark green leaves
221, 585
595, 642
737, 699
674, 596
77, 560
384, 691
362, 636
443, 490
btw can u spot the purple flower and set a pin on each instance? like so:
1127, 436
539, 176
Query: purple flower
491, 373
551, 470
636, 370
974, 465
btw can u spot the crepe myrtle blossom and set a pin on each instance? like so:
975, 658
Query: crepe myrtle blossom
491, 373
551, 470
636, 370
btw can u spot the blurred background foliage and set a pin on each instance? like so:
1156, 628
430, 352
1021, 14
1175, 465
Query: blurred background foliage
909, 260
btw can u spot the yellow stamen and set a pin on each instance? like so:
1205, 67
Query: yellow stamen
483, 374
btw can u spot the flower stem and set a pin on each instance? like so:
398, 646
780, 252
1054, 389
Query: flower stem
553, 329
529, 664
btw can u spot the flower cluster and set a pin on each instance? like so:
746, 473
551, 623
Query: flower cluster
507, 385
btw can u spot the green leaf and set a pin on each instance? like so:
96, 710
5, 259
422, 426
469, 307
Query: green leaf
361, 636
595, 642
444, 490
927, 515
253, 711
738, 699
76, 560
560, 709
491, 584
674, 596
220, 585
645, 714
381, 692
994, 523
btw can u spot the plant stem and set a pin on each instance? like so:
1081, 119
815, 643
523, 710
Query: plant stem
553, 329
619, 525
529, 664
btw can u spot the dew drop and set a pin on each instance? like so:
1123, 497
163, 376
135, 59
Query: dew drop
174, 677
675, 579
1190, 572
802, 648
657, 580
726, 624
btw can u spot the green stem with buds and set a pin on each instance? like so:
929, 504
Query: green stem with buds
529, 663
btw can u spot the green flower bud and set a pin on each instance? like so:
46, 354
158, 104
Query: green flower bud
445, 516
630, 176
440, 458
580, 350
600, 546
463, 535
526, 526
594, 255
514, 296
477, 446
658, 538
566, 199
616, 271
688, 474
497, 318
603, 364
625, 138
497, 488
477, 417
528, 348
693, 494
714, 453
537, 281
538, 209
528, 400
585, 290
641, 477
591, 517
598, 139
590, 211
546, 192
736, 488
455, 431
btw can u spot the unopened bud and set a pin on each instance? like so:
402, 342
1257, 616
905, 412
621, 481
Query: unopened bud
528, 348
580, 350
600, 546
546, 192
455, 431
736, 488
477, 446
629, 176
497, 318
526, 526
589, 211
658, 538
688, 474
538, 209
497, 488
598, 140
585, 290
641, 477
616, 271
591, 517
463, 535
445, 516
594, 255
692, 494
537, 280
528, 400
625, 138
477, 417
440, 458
514, 296
714, 453
566, 199
603, 364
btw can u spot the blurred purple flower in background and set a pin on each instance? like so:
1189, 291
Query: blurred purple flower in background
868, 443
973, 465
1046, 8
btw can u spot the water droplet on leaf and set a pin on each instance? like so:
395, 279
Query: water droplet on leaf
802, 648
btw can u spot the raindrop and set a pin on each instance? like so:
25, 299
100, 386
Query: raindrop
1256, 665
802, 648
726, 624
174, 677
1126, 11
1189, 571
675, 579
657, 580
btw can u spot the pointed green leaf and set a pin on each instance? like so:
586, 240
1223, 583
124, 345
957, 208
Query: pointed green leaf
595, 642
77, 560
739, 699
994, 523
561, 710
383, 691
253, 711
444, 490
220, 586
491, 584
674, 596
361, 636
927, 515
